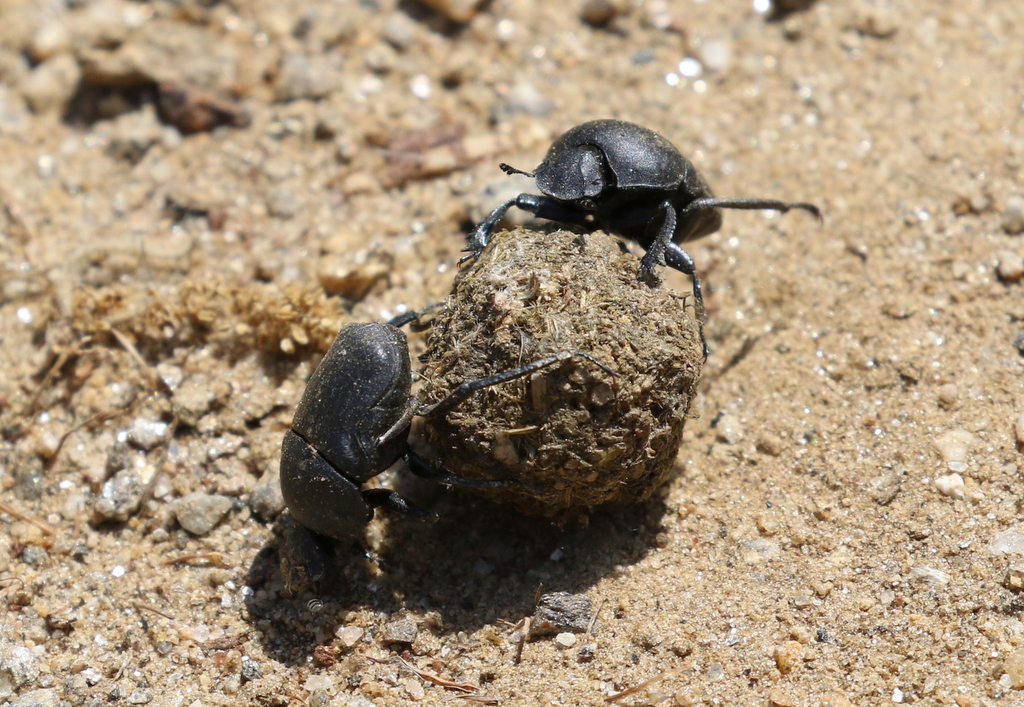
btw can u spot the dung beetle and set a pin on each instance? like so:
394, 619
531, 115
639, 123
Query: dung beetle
630, 181
353, 422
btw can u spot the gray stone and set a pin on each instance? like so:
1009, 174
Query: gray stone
17, 667
306, 77
38, 698
199, 512
122, 494
266, 499
401, 630
193, 399
560, 612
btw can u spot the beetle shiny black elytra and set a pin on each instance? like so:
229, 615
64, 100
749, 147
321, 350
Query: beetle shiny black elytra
632, 182
353, 422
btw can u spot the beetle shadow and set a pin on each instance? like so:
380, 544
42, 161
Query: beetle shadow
477, 564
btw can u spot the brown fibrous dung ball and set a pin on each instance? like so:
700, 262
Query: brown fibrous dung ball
569, 437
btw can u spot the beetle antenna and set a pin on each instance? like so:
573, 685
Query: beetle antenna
510, 170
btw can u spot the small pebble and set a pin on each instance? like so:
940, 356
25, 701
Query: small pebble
1008, 542
716, 54
193, 399
949, 395
455, 10
770, 444
1011, 266
600, 13
414, 689
1019, 429
266, 499
922, 574
953, 447
779, 698
349, 636
560, 612
52, 84
301, 77
566, 639
728, 429
200, 512
38, 698
146, 433
1013, 214
19, 667
1014, 579
319, 681
788, 656
251, 670
51, 39
353, 275
122, 494
399, 31
951, 485
1013, 666
402, 630
524, 97
758, 551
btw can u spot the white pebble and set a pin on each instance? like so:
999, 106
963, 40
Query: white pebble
929, 575
566, 640
716, 54
1008, 542
951, 485
349, 635
728, 429
690, 67
1011, 266
147, 433
1013, 214
953, 447
420, 86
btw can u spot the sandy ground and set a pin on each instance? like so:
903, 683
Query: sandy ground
842, 529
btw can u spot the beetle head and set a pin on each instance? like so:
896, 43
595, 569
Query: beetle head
576, 175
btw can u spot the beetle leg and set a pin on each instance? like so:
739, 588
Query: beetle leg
392, 501
413, 315
655, 255
463, 391
425, 470
679, 259
691, 212
401, 425
541, 206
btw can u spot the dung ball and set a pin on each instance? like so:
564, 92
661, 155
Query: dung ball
571, 436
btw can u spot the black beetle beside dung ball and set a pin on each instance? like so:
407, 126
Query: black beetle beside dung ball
571, 437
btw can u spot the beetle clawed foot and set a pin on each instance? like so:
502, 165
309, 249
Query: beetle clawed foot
810, 208
648, 274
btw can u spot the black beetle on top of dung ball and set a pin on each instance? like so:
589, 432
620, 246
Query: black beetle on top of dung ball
632, 182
